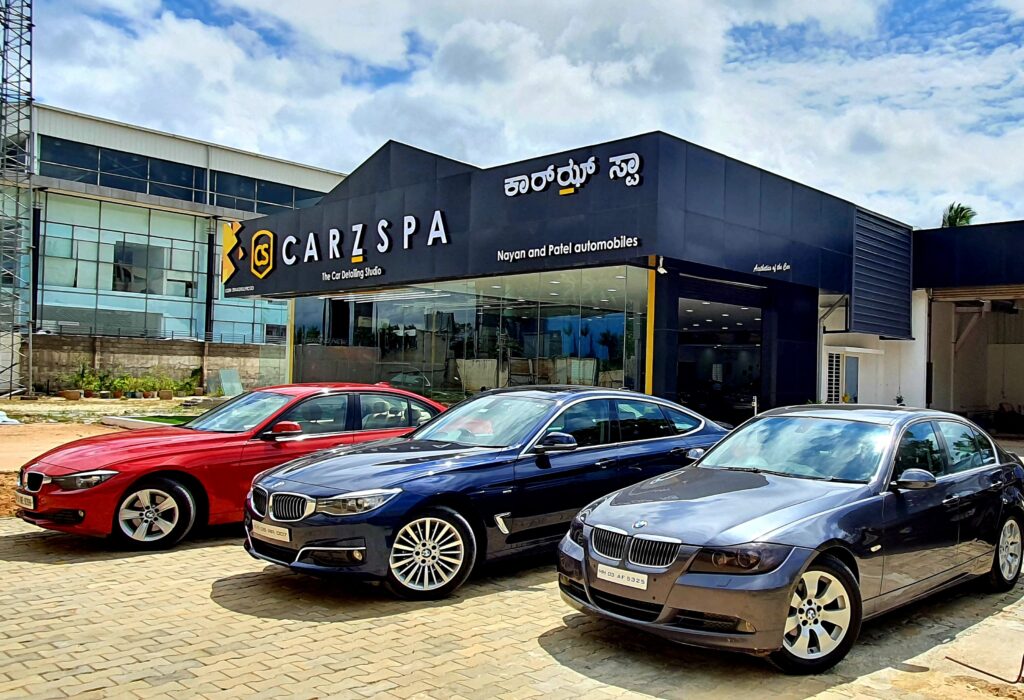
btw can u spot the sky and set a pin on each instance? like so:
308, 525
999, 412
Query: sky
899, 105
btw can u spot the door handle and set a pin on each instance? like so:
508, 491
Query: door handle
676, 451
604, 463
950, 500
996, 484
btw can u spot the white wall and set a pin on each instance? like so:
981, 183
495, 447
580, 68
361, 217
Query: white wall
900, 369
1005, 374
942, 355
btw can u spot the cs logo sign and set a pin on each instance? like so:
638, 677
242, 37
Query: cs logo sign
261, 262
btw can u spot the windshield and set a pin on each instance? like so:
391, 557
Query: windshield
240, 414
809, 448
489, 421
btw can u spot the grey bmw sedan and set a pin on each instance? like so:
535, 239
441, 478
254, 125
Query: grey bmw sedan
805, 521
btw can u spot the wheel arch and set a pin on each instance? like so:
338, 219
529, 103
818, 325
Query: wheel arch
843, 554
194, 486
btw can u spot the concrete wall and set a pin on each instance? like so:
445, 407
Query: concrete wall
257, 365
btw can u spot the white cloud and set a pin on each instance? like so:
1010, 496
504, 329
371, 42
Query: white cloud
902, 131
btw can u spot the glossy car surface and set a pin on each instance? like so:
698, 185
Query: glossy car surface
795, 528
150, 486
498, 474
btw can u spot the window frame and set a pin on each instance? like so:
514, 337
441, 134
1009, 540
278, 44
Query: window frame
282, 416
888, 483
614, 438
357, 415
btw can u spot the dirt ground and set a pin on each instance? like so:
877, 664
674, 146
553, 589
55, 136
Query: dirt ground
20, 443
51, 408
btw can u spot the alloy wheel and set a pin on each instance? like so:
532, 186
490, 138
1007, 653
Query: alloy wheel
1010, 549
148, 515
819, 616
427, 554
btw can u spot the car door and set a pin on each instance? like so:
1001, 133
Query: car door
975, 479
381, 415
551, 488
920, 529
325, 423
654, 438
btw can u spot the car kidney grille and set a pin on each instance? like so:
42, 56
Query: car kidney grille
33, 481
645, 552
286, 506
259, 500
607, 543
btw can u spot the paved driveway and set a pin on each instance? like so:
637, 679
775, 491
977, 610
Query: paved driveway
80, 619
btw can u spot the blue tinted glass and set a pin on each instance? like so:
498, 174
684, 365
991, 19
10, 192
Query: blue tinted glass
65, 152
811, 448
234, 185
66, 173
159, 190
274, 193
121, 163
122, 183
306, 198
170, 173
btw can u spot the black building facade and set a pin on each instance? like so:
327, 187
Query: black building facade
647, 262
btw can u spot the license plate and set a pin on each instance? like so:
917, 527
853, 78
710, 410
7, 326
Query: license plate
25, 501
622, 577
271, 532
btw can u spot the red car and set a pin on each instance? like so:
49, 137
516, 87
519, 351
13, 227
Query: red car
149, 487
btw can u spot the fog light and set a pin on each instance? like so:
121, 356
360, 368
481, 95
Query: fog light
357, 555
81, 514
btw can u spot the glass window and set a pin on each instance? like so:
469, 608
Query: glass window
919, 449
264, 208
119, 217
323, 414
167, 172
177, 226
306, 198
589, 422
66, 152
641, 420
806, 448
274, 192
57, 247
382, 412
487, 421
963, 445
126, 164
681, 420
59, 272
242, 413
65, 172
234, 185
988, 454
122, 183
72, 210
171, 191
235, 203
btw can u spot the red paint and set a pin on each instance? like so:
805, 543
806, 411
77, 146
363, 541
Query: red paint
221, 464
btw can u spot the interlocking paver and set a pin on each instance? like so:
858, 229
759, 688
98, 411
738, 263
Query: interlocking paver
78, 618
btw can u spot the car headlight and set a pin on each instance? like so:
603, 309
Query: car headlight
752, 558
82, 480
576, 526
356, 502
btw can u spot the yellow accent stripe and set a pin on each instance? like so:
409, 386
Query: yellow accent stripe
567, 190
357, 260
649, 355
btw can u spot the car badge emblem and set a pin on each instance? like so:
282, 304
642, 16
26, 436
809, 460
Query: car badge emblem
639, 524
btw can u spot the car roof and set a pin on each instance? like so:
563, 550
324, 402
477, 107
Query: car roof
316, 387
865, 413
562, 392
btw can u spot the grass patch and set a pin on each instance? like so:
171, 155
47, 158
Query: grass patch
166, 420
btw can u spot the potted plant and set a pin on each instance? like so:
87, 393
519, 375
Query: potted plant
164, 386
147, 385
121, 385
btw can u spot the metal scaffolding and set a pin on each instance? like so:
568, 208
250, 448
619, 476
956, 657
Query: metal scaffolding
16, 197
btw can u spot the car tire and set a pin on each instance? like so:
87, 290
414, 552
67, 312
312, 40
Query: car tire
154, 514
433, 554
823, 619
1006, 561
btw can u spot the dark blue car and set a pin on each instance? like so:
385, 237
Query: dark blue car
499, 474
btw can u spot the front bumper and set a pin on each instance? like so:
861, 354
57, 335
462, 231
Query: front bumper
83, 512
742, 613
323, 544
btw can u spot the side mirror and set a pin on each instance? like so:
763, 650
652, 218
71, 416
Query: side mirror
695, 453
555, 442
285, 428
915, 480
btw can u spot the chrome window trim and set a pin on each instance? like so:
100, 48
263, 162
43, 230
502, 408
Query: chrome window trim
888, 482
532, 442
308, 511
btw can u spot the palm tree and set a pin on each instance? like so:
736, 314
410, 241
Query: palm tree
957, 214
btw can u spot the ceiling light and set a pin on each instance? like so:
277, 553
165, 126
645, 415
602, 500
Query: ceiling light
739, 323
554, 282
554, 294
725, 314
706, 303
708, 320
725, 328
696, 324
495, 286
620, 277
758, 318
520, 299
605, 300
689, 311
613, 290
744, 308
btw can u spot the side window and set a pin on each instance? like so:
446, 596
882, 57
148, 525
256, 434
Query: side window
323, 414
919, 449
588, 421
962, 442
384, 412
682, 421
641, 420
420, 413
988, 455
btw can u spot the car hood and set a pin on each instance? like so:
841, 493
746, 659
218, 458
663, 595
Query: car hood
131, 445
379, 464
719, 507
